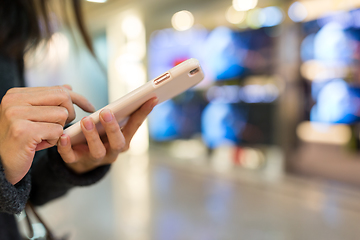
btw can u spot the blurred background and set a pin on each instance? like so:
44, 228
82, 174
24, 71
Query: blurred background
266, 147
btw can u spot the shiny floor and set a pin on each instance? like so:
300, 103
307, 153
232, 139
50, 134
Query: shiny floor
153, 197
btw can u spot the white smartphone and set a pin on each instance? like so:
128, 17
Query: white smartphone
168, 85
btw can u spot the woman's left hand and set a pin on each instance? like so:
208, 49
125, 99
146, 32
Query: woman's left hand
82, 158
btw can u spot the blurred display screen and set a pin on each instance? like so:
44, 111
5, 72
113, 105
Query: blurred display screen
234, 103
330, 53
177, 118
223, 53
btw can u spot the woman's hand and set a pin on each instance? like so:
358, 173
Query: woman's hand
85, 157
32, 119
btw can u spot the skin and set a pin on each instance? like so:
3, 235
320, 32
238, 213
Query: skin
100, 151
32, 119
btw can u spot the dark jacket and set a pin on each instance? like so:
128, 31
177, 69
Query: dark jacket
48, 177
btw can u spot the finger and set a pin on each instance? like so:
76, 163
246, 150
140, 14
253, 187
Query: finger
44, 134
65, 150
96, 147
50, 114
52, 96
36, 89
69, 87
25, 89
114, 135
46, 131
43, 145
137, 118
81, 102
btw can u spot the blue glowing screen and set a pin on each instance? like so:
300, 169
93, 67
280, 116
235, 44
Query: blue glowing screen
333, 42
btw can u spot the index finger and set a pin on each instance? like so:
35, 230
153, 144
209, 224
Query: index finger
81, 102
49, 96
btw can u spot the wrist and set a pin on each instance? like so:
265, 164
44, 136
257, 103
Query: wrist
9, 175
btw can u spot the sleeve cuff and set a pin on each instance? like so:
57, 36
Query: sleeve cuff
13, 198
59, 168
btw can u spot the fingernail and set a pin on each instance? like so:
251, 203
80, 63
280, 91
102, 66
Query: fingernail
88, 124
106, 115
155, 102
63, 140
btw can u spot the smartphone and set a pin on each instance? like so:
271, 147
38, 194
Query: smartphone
168, 85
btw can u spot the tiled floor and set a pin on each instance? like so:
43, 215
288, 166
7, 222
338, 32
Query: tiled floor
151, 197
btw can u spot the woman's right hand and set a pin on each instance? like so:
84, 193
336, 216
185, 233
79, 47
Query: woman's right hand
32, 119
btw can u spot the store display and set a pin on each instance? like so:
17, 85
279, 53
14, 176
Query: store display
235, 104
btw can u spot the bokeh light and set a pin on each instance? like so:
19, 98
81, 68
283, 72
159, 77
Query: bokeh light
252, 158
273, 16
235, 17
255, 93
333, 103
132, 27
331, 44
244, 5
182, 20
130, 71
297, 12
315, 70
255, 18
338, 134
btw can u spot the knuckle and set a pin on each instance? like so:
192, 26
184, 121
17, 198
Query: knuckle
118, 147
99, 154
62, 93
113, 128
63, 115
67, 86
58, 88
12, 90
10, 112
59, 130
18, 129
91, 137
52, 142
8, 98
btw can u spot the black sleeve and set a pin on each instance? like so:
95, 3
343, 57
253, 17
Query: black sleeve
13, 197
51, 178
